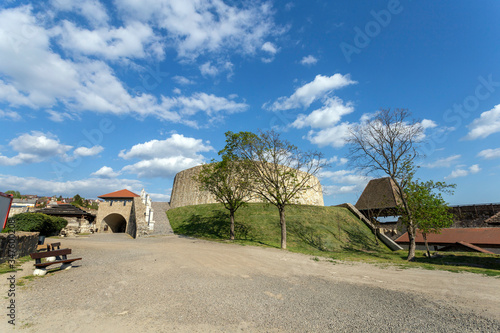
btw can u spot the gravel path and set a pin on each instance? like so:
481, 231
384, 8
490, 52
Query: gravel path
175, 284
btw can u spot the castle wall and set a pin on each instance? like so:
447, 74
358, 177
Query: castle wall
186, 192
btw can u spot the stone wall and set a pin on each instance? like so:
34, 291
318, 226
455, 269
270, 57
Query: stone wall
19, 244
140, 218
186, 192
18, 210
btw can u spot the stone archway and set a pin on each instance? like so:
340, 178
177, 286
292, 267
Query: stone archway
116, 223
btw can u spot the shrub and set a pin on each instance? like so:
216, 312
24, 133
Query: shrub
46, 225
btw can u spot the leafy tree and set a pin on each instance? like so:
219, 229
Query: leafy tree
78, 201
279, 171
388, 144
44, 224
229, 184
14, 194
429, 211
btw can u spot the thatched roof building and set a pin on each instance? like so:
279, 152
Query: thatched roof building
379, 198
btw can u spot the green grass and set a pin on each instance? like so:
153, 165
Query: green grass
310, 229
5, 267
23, 280
332, 233
487, 264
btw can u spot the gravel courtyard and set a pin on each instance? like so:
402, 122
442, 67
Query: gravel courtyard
176, 284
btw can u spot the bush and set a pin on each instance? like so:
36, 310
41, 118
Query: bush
46, 225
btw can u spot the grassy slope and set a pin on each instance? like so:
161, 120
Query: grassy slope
330, 232
310, 229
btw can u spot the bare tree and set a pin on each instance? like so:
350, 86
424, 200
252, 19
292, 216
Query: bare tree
228, 182
388, 144
280, 171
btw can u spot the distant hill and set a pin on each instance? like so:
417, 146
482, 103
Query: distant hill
309, 228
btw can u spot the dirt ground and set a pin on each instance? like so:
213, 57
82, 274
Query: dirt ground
171, 283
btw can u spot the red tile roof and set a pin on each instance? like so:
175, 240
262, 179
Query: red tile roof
119, 194
476, 236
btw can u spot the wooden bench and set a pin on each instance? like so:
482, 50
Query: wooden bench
59, 254
48, 247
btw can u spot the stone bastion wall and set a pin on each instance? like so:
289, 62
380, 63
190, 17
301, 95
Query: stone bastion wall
186, 192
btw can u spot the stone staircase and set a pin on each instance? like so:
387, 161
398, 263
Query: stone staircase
162, 224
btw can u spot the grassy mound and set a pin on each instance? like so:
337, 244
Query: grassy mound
310, 229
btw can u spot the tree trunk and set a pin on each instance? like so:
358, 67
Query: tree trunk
411, 227
426, 245
413, 245
283, 228
231, 214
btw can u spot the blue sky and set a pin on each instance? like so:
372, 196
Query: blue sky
99, 96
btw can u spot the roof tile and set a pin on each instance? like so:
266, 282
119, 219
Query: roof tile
119, 194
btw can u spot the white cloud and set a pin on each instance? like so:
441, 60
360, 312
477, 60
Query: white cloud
345, 181
334, 136
182, 80
214, 69
135, 40
36, 77
457, 173
328, 115
92, 10
270, 48
88, 188
84, 151
162, 167
337, 160
164, 158
201, 102
426, 123
105, 172
336, 189
443, 162
34, 148
489, 153
332, 133
305, 95
195, 27
162, 197
309, 60
461, 171
10, 115
208, 70
59, 117
474, 168
345, 177
487, 124
176, 145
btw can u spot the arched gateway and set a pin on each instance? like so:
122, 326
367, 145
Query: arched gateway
125, 211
